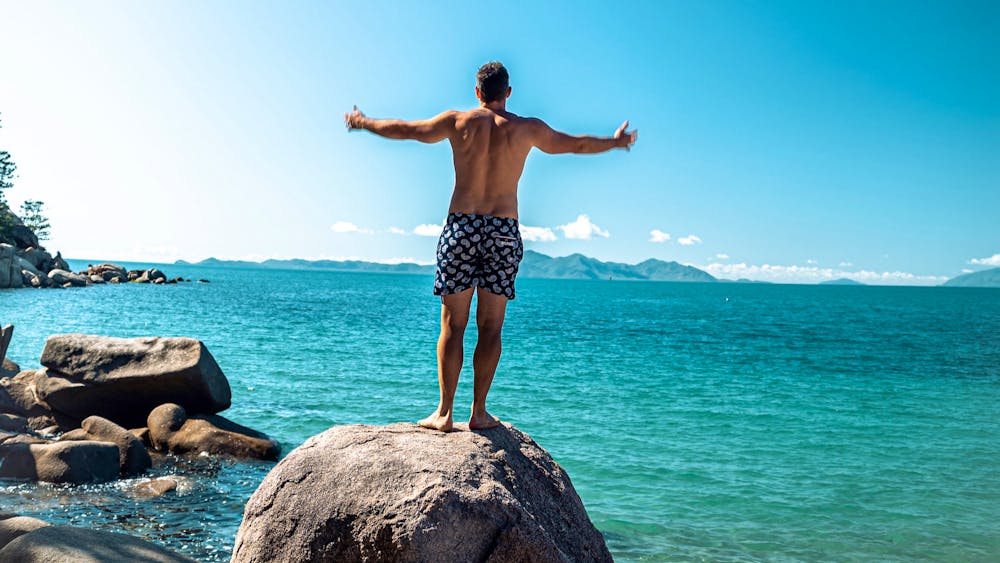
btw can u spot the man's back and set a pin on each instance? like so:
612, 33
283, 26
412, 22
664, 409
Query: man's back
489, 149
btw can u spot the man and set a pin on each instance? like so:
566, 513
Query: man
480, 246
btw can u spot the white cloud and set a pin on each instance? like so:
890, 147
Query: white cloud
966, 271
538, 234
656, 235
814, 274
845, 264
989, 261
344, 227
428, 230
722, 256
811, 262
582, 228
397, 231
689, 240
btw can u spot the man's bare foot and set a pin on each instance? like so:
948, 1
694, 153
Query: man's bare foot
482, 421
437, 422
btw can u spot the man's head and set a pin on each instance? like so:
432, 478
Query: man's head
492, 82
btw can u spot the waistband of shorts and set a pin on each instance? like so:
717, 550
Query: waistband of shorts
457, 214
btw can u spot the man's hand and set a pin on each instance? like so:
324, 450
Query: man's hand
354, 120
624, 139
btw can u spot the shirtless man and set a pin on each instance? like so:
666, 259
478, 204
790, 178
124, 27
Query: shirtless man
480, 246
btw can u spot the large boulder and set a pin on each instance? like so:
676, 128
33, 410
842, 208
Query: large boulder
63, 277
19, 396
17, 232
123, 379
133, 458
404, 493
172, 430
10, 270
59, 462
16, 526
39, 258
52, 544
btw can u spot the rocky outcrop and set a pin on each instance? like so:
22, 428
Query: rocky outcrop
123, 379
60, 462
35, 541
404, 493
10, 273
172, 430
133, 458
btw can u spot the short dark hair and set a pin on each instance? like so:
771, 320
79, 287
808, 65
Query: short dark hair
493, 81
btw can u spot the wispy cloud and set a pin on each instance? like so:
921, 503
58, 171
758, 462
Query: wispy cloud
811, 262
348, 227
989, 261
656, 235
537, 234
582, 228
428, 230
845, 264
815, 274
398, 231
722, 256
689, 240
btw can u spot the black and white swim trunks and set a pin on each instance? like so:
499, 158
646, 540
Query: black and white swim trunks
478, 251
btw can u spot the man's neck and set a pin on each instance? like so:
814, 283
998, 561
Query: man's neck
498, 105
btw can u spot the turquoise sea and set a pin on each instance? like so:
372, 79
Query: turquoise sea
709, 422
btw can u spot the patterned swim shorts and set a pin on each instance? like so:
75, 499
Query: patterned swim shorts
478, 251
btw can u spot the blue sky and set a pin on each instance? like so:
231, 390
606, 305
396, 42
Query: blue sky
787, 141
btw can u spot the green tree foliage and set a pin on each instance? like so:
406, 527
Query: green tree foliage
31, 215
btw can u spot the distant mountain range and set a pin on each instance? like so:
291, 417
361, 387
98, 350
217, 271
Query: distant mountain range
534, 265
985, 278
841, 281
574, 266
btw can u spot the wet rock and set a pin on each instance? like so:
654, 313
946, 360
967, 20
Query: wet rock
52, 544
142, 434
403, 493
133, 458
172, 430
59, 462
9, 368
155, 487
16, 526
123, 379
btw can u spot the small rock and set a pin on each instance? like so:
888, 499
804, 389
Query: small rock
171, 430
155, 487
95, 279
13, 423
133, 459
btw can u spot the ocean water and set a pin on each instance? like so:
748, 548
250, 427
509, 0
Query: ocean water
708, 422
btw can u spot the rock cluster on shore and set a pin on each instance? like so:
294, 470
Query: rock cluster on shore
405, 493
99, 404
34, 267
27, 264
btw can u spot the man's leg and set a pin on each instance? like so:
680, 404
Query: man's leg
490, 311
454, 318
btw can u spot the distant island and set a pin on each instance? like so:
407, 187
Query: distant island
841, 281
534, 265
985, 278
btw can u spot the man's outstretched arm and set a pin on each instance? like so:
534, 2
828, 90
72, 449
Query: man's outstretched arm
431, 130
556, 142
